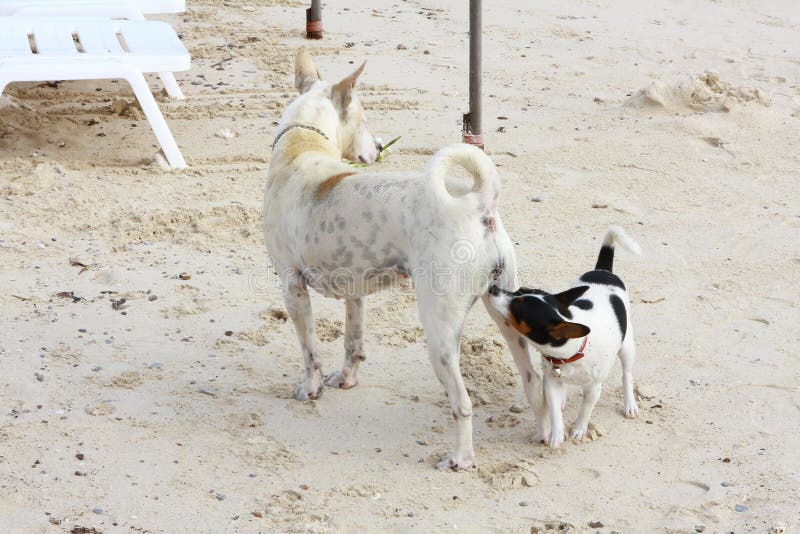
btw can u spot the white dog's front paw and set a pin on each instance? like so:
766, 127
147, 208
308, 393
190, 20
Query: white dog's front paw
541, 436
456, 464
631, 409
310, 389
556, 439
579, 432
342, 380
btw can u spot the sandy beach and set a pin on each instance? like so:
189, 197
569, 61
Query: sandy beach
146, 360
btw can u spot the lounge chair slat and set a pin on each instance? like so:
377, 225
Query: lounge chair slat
14, 42
156, 38
99, 39
54, 39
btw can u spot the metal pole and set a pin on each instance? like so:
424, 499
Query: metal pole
314, 20
473, 129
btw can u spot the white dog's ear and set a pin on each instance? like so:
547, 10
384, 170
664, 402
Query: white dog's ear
342, 92
305, 72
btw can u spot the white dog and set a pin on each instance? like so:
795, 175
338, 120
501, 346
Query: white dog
560, 325
347, 234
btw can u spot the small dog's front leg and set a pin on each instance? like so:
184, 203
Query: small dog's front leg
531, 381
353, 346
553, 391
298, 304
591, 394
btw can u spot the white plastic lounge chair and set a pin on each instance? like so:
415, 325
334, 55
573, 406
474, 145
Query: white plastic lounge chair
114, 9
40, 49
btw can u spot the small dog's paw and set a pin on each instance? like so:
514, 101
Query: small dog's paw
631, 409
303, 392
450, 462
341, 381
540, 436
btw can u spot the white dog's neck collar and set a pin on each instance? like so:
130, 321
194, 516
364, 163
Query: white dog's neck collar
298, 125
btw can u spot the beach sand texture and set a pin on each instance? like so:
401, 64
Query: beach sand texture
146, 363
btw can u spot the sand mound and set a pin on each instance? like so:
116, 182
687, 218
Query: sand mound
704, 92
483, 364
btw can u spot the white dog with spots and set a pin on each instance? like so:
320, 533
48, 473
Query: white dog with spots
580, 332
347, 233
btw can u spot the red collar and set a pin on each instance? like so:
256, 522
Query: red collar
578, 355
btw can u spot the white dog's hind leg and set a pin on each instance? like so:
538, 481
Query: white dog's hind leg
531, 381
298, 305
591, 393
353, 346
627, 354
443, 317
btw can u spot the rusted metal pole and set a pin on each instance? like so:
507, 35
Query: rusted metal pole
473, 127
314, 20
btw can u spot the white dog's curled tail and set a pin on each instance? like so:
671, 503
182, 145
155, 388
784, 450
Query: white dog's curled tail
475, 162
614, 235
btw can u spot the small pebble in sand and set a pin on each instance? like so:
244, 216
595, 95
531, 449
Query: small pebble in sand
98, 511
402, 47
516, 408
726, 484
185, 276
220, 496
537, 199
80, 473
699, 528
151, 298
80, 456
226, 133
82, 330
596, 524
228, 333
740, 508
523, 503
39, 377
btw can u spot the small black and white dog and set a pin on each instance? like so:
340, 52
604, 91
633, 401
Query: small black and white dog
578, 333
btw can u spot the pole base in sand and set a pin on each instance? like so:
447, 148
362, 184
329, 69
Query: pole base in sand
472, 139
313, 29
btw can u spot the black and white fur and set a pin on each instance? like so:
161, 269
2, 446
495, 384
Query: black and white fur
596, 306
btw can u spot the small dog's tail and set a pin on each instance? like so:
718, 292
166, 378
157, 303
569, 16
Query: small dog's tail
474, 161
614, 234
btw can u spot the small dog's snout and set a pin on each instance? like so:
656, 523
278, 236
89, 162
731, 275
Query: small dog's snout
494, 290
379, 146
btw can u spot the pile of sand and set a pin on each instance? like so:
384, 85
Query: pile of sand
484, 367
703, 92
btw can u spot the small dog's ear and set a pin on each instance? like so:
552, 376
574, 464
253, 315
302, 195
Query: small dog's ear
571, 295
305, 72
567, 330
342, 92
